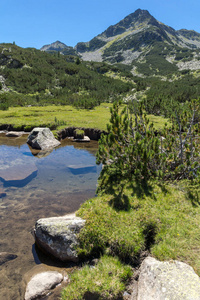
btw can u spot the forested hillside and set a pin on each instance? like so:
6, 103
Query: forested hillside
30, 77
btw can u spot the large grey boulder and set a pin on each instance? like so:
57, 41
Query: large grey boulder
58, 236
170, 280
42, 139
41, 284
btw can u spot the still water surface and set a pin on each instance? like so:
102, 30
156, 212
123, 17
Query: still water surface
33, 187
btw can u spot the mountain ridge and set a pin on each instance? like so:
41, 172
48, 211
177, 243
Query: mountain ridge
130, 39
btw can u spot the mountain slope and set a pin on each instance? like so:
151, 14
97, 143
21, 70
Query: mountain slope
134, 37
145, 44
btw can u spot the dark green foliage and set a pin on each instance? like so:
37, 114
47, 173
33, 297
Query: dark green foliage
134, 150
131, 148
4, 102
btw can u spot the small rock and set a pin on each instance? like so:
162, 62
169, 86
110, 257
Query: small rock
94, 261
41, 284
2, 193
85, 139
14, 134
4, 257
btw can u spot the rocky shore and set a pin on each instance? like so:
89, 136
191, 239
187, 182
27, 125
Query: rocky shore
153, 280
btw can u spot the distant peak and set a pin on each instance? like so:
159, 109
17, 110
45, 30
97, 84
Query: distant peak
54, 46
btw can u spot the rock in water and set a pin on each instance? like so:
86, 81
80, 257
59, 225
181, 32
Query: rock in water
18, 172
167, 280
58, 236
40, 284
84, 139
2, 193
14, 133
42, 139
4, 257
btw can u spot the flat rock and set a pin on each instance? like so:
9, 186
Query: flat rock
85, 139
4, 257
41, 284
58, 236
167, 280
14, 133
42, 139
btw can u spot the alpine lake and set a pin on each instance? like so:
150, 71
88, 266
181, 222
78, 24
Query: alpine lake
34, 185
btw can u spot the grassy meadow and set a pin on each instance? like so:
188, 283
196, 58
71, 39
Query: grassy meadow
59, 117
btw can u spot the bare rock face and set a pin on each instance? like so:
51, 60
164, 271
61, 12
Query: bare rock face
42, 139
41, 284
167, 280
58, 236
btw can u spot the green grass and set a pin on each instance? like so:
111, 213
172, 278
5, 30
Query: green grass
107, 280
120, 225
162, 219
58, 117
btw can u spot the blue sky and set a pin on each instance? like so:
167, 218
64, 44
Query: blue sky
31, 23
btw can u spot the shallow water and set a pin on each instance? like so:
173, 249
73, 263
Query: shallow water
33, 187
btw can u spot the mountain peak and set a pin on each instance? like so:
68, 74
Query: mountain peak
137, 36
131, 21
59, 47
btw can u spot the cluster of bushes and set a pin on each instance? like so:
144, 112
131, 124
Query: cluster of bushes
133, 149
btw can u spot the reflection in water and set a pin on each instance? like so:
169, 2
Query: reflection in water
36, 187
82, 169
19, 183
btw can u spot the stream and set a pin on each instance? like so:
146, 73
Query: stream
36, 185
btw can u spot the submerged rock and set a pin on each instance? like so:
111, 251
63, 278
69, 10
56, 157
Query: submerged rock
82, 169
2, 193
4, 257
18, 175
42, 139
58, 236
167, 280
41, 284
